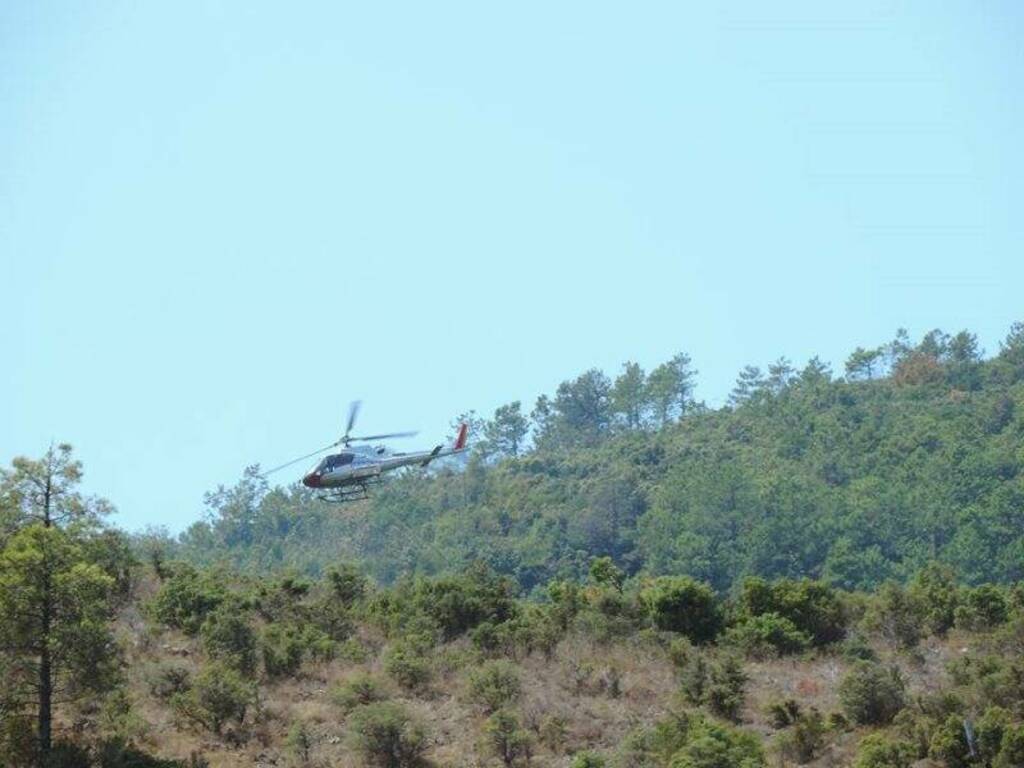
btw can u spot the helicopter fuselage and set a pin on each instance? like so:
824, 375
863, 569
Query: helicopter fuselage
359, 465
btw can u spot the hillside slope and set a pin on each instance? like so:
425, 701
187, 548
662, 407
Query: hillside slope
916, 454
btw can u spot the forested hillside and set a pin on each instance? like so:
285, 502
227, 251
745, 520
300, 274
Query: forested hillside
624, 578
912, 454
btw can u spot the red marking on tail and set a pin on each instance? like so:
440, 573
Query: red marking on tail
460, 441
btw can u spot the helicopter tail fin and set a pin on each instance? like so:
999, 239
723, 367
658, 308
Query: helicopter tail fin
460, 441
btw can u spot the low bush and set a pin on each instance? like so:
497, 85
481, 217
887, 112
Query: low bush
690, 740
895, 615
185, 599
452, 605
281, 649
813, 608
804, 740
357, 691
300, 742
505, 739
219, 696
877, 751
385, 734
1011, 749
982, 608
348, 585
783, 713
680, 604
407, 666
871, 694
553, 731
587, 760
165, 680
766, 635
227, 637
933, 594
494, 685
727, 689
856, 648
990, 731
710, 745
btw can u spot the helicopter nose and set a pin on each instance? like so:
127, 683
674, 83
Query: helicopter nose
312, 480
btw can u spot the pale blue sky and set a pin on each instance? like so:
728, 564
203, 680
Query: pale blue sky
220, 222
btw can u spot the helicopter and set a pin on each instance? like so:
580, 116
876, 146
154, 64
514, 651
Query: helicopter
347, 475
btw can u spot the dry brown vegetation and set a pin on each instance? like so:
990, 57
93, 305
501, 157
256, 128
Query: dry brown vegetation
585, 695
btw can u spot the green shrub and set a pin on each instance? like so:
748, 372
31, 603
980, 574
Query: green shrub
604, 573
982, 608
767, 634
566, 602
694, 678
1011, 750
553, 732
871, 694
384, 734
949, 744
530, 629
996, 680
895, 615
494, 685
690, 740
710, 745
877, 751
185, 599
329, 617
300, 742
407, 666
856, 648
357, 691
813, 607
836, 721
456, 604
783, 713
283, 601
347, 584
990, 730
219, 696
227, 637
505, 739
281, 649
587, 760
680, 604
804, 740
933, 593
726, 691
165, 680
119, 716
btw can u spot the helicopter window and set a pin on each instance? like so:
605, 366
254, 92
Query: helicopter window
336, 461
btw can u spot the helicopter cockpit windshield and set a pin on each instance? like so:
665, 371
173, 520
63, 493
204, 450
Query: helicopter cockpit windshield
331, 463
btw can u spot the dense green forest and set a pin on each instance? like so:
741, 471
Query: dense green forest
913, 454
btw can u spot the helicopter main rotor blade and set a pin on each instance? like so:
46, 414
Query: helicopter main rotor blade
353, 412
301, 458
383, 437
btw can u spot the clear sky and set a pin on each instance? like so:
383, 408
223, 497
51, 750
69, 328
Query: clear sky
221, 221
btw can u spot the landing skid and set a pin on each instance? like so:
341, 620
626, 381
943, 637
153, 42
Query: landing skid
350, 493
